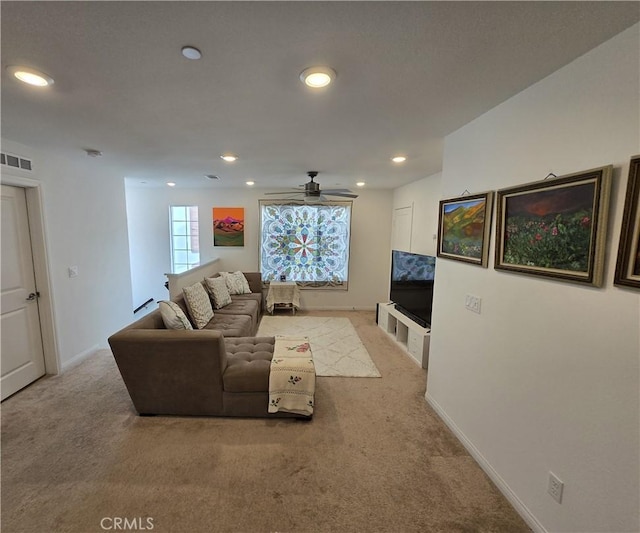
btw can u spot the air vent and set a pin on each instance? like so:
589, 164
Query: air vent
15, 161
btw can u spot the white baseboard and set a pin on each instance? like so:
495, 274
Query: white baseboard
503, 487
336, 308
79, 357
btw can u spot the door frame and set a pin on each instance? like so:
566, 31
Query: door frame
35, 215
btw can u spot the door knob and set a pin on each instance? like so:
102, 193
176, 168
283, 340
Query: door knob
33, 296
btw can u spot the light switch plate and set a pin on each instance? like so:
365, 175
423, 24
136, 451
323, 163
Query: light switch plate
472, 303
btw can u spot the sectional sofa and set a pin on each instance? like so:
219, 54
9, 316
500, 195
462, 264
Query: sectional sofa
219, 370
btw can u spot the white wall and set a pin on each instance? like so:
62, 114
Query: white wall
547, 377
85, 224
424, 195
148, 227
149, 237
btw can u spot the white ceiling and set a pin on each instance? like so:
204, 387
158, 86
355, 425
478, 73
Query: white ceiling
409, 73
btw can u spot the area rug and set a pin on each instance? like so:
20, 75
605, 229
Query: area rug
337, 349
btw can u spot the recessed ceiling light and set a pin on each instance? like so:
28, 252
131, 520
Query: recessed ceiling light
212, 176
31, 76
360, 184
317, 77
171, 184
250, 183
229, 158
191, 52
93, 153
399, 159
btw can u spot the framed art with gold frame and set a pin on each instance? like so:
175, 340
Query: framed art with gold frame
464, 226
628, 264
555, 228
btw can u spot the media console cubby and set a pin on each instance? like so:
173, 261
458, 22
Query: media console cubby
412, 337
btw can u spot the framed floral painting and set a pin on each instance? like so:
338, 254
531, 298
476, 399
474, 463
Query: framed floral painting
628, 265
464, 225
555, 228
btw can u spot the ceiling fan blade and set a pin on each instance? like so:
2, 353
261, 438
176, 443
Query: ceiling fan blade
343, 194
294, 199
286, 192
333, 191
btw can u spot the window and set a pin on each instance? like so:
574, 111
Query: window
185, 244
307, 243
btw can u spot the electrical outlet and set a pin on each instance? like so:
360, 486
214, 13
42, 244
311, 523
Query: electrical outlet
555, 487
472, 303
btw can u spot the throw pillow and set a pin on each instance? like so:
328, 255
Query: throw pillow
199, 304
236, 282
218, 291
173, 316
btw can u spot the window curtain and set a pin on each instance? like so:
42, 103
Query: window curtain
307, 243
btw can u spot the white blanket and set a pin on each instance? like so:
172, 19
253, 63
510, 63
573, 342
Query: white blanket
292, 380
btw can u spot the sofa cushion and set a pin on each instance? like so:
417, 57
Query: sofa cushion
248, 364
236, 282
247, 307
199, 304
219, 291
231, 325
173, 316
256, 296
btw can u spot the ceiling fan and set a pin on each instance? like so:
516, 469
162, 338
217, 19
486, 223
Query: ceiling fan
313, 192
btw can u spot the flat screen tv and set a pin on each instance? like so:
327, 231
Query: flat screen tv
412, 278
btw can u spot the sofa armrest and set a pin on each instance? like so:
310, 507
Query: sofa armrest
171, 371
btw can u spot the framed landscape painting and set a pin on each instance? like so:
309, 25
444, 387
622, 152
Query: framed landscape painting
228, 226
464, 224
628, 265
555, 228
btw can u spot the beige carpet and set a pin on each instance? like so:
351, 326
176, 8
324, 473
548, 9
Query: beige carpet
337, 349
375, 458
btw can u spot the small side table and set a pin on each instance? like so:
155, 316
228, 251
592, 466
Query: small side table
283, 295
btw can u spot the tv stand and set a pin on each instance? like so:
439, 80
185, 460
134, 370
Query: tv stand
412, 337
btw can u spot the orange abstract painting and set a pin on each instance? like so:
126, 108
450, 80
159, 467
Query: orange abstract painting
228, 226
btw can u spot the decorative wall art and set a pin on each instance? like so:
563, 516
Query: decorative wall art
228, 226
307, 243
464, 224
628, 265
555, 228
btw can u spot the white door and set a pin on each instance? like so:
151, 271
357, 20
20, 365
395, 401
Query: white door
401, 228
21, 356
